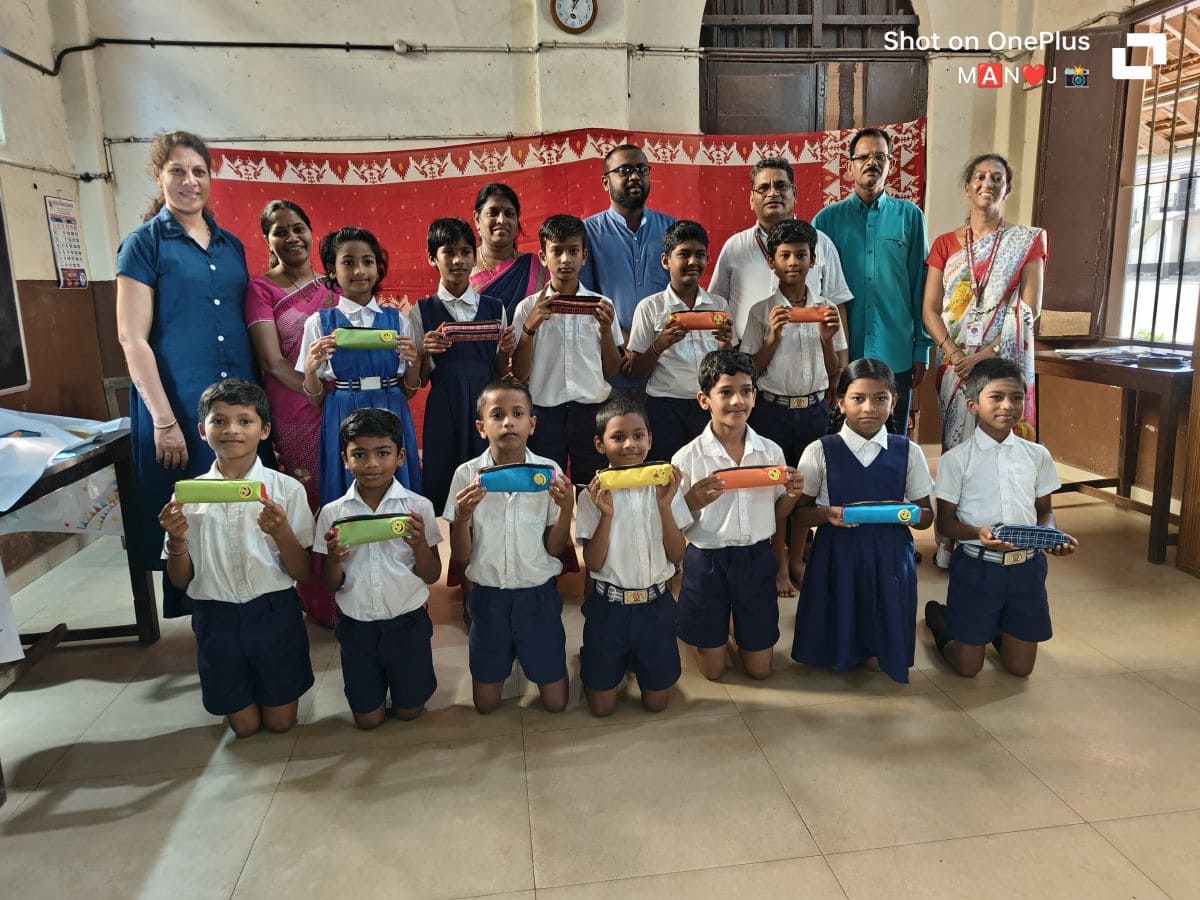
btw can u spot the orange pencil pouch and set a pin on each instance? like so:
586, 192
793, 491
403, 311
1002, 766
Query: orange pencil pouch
798, 314
752, 477
700, 320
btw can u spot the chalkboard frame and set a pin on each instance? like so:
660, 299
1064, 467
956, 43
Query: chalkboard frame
14, 355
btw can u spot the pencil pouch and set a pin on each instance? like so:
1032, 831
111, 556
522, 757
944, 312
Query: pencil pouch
880, 513
210, 490
364, 338
462, 332
752, 477
355, 530
703, 320
517, 478
616, 478
1031, 537
574, 306
798, 314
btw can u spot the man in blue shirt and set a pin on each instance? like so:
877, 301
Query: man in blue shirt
883, 244
625, 241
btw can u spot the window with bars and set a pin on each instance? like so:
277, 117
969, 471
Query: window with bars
1159, 284
815, 24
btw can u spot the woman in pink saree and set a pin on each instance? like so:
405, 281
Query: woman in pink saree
277, 304
501, 271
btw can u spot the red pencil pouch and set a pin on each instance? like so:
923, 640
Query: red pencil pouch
700, 320
752, 477
798, 314
460, 332
571, 305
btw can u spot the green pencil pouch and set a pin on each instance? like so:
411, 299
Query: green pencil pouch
210, 490
364, 338
355, 530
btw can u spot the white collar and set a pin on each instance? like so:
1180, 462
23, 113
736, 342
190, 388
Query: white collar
254, 473
703, 299
469, 297
713, 447
349, 307
395, 491
985, 443
856, 441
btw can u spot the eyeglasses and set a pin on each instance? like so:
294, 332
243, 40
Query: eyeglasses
778, 187
879, 158
626, 171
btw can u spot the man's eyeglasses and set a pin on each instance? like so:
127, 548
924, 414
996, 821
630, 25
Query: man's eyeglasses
627, 171
778, 187
879, 158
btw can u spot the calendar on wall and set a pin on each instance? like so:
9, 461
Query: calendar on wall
68, 246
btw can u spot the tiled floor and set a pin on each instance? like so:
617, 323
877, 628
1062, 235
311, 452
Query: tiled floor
1079, 782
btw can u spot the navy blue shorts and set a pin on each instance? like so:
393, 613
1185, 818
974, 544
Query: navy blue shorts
986, 599
791, 429
733, 580
674, 422
523, 624
253, 652
617, 637
565, 434
391, 654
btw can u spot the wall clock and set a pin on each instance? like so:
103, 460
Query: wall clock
573, 16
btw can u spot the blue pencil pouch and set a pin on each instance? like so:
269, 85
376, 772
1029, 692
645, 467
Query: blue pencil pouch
880, 513
1031, 537
516, 478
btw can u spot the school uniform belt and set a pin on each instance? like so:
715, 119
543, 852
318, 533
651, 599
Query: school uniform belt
369, 383
614, 594
802, 402
1004, 558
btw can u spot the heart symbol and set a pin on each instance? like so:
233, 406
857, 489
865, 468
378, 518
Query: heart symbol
1033, 74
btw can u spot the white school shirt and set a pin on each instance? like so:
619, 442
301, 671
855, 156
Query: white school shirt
996, 483
360, 317
636, 556
507, 530
567, 365
736, 518
798, 366
232, 558
917, 481
676, 373
743, 277
461, 309
380, 582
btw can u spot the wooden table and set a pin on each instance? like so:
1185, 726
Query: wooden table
1173, 388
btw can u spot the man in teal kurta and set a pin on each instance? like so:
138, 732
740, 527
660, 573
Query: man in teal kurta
883, 244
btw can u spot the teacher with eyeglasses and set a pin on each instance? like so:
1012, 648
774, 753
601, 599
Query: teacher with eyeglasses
625, 242
883, 243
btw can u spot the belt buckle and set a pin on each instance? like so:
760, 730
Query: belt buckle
633, 598
370, 383
1015, 557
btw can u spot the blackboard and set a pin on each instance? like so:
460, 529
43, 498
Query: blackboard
14, 362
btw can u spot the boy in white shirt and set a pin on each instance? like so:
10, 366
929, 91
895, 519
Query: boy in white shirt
728, 567
632, 542
239, 563
565, 358
667, 353
382, 587
997, 593
508, 543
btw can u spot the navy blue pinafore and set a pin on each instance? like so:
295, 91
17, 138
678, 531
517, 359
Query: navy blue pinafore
459, 375
347, 365
859, 596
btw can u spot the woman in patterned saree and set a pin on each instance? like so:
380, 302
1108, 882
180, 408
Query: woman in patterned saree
501, 271
277, 304
983, 292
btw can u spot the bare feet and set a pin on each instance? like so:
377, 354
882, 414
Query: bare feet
796, 571
871, 664
783, 584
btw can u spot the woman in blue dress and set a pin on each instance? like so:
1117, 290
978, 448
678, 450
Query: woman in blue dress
181, 279
858, 600
343, 380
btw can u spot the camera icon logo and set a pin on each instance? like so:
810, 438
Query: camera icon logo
1075, 76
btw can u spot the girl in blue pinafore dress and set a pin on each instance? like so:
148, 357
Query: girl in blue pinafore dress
344, 380
858, 600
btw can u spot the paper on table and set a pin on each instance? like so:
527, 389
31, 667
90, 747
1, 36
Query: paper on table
23, 459
10, 637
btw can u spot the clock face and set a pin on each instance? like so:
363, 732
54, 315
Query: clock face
573, 16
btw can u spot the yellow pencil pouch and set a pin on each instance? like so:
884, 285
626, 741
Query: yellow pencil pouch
617, 478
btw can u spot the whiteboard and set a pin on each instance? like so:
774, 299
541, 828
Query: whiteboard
14, 360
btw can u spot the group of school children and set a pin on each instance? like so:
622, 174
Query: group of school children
537, 394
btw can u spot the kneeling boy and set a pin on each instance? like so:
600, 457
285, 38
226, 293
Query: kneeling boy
997, 593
